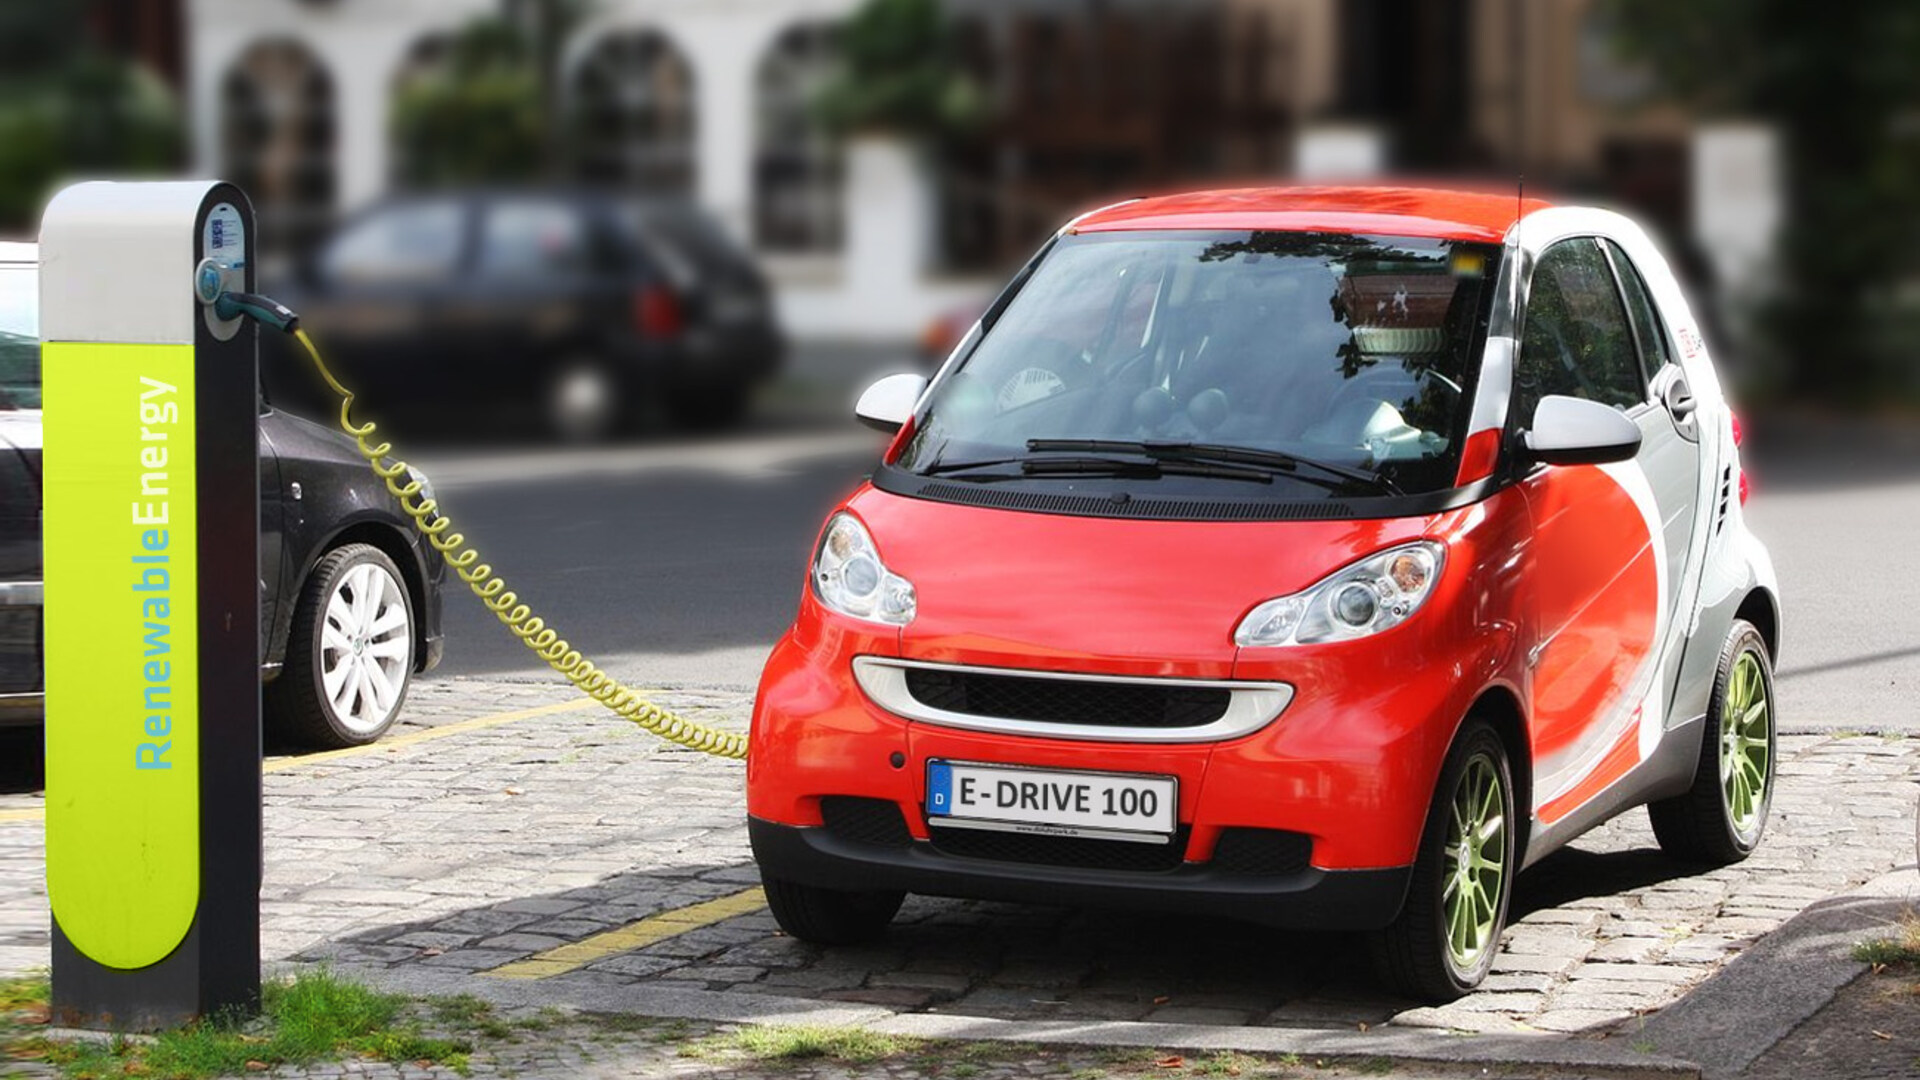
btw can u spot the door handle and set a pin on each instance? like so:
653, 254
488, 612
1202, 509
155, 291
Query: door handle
1679, 399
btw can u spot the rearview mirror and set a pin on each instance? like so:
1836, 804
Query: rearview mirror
888, 404
1575, 431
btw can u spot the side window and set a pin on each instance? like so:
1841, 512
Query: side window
1576, 340
403, 244
1648, 327
531, 240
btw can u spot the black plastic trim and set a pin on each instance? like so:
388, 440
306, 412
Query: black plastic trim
1312, 899
1045, 497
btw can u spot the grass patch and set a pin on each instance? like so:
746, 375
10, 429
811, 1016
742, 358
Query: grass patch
1901, 949
314, 1017
24, 992
1227, 1063
852, 1046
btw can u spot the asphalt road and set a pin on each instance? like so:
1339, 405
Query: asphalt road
680, 564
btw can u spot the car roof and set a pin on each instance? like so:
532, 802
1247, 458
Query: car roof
1383, 211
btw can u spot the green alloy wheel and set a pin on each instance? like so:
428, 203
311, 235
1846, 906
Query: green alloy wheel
1443, 943
1476, 864
1720, 818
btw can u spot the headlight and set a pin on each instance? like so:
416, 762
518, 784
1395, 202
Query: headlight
1371, 595
849, 577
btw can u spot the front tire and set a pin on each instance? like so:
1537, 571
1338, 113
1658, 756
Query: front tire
1720, 819
1443, 943
829, 916
349, 654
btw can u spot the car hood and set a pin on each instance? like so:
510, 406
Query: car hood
1123, 596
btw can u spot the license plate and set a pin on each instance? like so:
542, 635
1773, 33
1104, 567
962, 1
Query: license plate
1120, 806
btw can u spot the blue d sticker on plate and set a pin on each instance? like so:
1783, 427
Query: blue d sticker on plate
939, 787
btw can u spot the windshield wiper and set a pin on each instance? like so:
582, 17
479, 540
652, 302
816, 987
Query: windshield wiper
1145, 467
1275, 460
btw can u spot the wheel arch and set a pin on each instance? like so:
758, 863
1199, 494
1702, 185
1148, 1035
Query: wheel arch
1500, 707
1761, 608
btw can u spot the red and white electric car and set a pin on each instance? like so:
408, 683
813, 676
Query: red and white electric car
1318, 557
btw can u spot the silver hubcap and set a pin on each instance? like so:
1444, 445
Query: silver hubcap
366, 648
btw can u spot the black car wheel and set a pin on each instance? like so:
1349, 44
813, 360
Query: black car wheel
585, 401
829, 916
1444, 941
1720, 818
349, 653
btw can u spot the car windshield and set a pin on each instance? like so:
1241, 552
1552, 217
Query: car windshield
1270, 351
19, 336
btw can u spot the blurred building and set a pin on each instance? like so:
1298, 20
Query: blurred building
1089, 101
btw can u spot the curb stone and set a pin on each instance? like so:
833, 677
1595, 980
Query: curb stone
1409, 1046
1758, 999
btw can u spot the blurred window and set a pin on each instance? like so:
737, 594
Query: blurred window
277, 142
416, 242
19, 336
633, 122
1648, 327
797, 161
1577, 341
531, 240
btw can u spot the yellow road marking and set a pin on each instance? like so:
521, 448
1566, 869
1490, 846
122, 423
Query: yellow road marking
395, 743
428, 734
635, 935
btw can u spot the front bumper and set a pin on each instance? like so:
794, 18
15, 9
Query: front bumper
1307, 899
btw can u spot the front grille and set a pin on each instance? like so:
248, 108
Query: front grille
1068, 701
865, 821
1070, 851
1262, 852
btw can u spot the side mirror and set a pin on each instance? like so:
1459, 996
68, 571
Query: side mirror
1575, 431
888, 404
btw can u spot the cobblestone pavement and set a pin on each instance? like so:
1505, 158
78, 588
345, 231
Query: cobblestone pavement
547, 1045
497, 843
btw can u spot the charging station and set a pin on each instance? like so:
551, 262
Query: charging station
152, 618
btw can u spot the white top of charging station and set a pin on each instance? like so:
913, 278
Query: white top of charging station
117, 262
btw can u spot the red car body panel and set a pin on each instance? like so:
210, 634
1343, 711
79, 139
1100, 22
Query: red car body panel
1350, 762
1446, 215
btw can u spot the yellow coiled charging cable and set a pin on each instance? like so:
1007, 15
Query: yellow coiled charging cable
518, 617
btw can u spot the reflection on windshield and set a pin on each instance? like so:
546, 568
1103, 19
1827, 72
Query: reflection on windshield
1344, 349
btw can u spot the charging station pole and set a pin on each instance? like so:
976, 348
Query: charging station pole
152, 633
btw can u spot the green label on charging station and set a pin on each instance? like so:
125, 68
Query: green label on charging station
122, 648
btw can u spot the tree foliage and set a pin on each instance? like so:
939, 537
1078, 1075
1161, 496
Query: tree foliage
70, 111
488, 110
1842, 84
900, 73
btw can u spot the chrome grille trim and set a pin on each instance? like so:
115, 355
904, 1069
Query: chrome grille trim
1252, 705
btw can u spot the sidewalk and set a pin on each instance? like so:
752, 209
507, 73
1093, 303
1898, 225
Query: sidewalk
508, 825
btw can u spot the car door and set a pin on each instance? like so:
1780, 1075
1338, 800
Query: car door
1598, 582
272, 536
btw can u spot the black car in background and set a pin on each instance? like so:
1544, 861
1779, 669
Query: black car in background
577, 311
350, 592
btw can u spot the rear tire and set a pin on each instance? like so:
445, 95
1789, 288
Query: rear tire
1444, 941
829, 916
585, 402
1720, 819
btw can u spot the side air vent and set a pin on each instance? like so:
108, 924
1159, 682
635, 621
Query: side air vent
1726, 500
